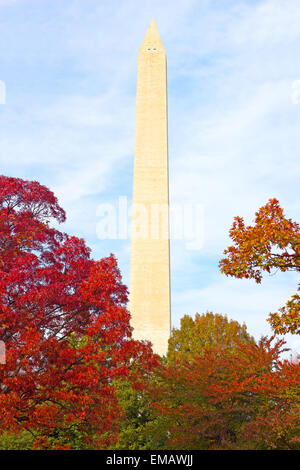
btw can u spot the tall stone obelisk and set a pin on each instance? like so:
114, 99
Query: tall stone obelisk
149, 301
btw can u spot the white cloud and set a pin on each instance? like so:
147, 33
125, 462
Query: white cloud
271, 22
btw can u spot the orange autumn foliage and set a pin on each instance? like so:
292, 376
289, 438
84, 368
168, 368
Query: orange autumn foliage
272, 243
248, 399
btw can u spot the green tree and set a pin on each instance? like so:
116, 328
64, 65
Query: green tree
140, 427
205, 331
22, 441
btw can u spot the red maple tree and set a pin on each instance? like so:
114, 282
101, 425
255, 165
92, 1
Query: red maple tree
64, 322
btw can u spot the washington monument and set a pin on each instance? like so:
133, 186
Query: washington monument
149, 301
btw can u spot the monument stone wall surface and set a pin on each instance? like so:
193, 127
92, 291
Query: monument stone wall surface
149, 301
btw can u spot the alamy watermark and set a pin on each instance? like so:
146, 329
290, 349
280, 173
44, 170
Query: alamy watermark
2, 92
151, 221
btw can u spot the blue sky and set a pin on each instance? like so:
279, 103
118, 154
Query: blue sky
69, 67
